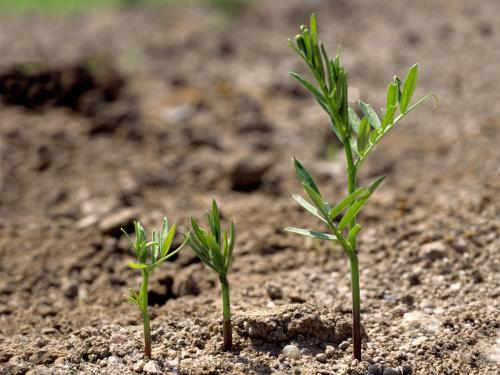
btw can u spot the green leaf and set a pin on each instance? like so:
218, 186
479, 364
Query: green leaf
344, 203
311, 233
309, 86
409, 88
354, 146
388, 117
374, 135
353, 233
308, 206
364, 132
370, 114
392, 95
354, 120
375, 185
165, 247
137, 266
230, 252
304, 176
317, 200
356, 207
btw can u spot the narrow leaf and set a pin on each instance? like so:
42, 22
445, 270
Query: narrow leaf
409, 88
308, 206
168, 241
137, 266
311, 233
304, 176
344, 203
362, 140
370, 114
354, 120
353, 233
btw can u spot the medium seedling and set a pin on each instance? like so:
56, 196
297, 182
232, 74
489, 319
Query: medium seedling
359, 138
149, 256
215, 250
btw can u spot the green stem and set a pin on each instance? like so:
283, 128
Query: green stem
353, 260
356, 307
226, 312
145, 314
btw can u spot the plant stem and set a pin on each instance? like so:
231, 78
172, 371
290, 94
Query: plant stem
356, 313
145, 313
226, 311
353, 260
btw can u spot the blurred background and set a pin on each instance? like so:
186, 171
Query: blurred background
112, 110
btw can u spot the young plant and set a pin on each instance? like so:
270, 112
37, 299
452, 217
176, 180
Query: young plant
215, 250
359, 138
150, 254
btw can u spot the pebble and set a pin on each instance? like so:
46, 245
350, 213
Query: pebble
321, 357
375, 369
391, 371
344, 345
433, 250
172, 363
419, 340
152, 367
118, 338
139, 366
330, 351
291, 352
112, 360
494, 351
421, 321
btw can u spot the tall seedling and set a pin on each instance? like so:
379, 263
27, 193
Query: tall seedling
149, 254
359, 138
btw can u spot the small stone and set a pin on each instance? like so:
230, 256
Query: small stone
152, 367
321, 357
174, 363
330, 351
375, 369
118, 338
139, 366
354, 362
344, 345
417, 341
291, 352
421, 321
112, 360
274, 291
433, 250
391, 371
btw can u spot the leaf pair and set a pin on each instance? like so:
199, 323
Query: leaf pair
214, 248
158, 249
350, 205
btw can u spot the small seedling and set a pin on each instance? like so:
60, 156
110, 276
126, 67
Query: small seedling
149, 256
215, 250
359, 138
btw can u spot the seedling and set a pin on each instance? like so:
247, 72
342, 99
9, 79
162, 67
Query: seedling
359, 138
149, 256
215, 250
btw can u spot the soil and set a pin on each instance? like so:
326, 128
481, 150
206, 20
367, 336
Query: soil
142, 113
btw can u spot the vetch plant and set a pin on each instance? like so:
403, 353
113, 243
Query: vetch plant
215, 250
150, 254
359, 138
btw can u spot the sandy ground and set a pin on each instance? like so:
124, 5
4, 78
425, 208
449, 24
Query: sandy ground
144, 113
